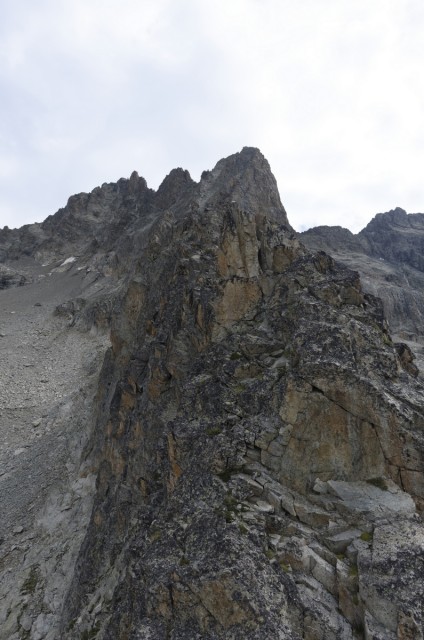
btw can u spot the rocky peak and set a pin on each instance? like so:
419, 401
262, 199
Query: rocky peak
397, 237
136, 184
395, 218
96, 217
177, 183
244, 178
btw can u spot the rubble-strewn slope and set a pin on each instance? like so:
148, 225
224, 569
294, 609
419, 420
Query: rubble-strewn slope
257, 439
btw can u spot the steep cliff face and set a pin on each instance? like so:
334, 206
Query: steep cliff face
257, 441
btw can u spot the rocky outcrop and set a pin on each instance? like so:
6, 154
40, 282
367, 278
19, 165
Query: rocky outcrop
388, 256
257, 438
397, 237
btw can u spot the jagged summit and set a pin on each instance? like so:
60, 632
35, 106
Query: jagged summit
173, 188
398, 217
244, 178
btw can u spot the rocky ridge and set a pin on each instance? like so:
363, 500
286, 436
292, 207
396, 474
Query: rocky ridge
250, 445
388, 254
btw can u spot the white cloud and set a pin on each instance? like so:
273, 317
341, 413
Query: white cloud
330, 90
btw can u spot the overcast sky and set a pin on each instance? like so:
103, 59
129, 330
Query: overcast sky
331, 91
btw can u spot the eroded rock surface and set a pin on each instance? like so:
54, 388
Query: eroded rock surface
255, 436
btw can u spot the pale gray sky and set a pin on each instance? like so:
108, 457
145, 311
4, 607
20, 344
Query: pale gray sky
331, 91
